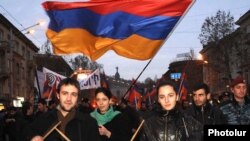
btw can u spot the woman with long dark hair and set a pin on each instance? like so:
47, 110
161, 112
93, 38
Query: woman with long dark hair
169, 123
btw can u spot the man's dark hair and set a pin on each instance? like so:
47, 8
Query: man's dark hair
68, 81
202, 86
105, 91
166, 83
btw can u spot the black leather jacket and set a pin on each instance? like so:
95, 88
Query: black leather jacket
171, 125
207, 114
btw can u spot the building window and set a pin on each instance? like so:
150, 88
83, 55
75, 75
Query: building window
1, 35
28, 55
23, 72
9, 84
8, 64
18, 68
248, 29
18, 48
31, 56
28, 73
2, 62
23, 51
8, 36
18, 90
15, 46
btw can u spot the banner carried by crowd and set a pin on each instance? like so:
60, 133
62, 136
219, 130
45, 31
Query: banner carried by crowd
48, 81
52, 79
92, 81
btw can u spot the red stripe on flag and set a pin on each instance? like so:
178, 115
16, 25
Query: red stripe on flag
135, 7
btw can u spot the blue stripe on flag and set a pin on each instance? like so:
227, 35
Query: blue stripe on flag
112, 25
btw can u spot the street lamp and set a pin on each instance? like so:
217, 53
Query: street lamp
37, 24
29, 28
32, 31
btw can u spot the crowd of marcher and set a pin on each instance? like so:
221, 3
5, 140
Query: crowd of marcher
163, 121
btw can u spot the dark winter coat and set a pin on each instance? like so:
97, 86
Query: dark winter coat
13, 126
207, 114
119, 129
171, 125
81, 128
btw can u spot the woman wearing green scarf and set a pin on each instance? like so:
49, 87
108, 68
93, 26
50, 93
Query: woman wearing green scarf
112, 126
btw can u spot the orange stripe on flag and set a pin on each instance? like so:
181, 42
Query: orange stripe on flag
66, 42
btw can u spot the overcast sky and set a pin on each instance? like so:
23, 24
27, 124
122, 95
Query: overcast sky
24, 13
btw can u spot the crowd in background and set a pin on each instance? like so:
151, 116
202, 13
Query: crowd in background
165, 119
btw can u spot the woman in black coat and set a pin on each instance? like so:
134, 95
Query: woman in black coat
168, 123
112, 126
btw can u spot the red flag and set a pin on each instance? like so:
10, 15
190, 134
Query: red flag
183, 87
150, 95
135, 98
183, 92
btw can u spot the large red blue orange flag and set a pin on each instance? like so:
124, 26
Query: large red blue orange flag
132, 28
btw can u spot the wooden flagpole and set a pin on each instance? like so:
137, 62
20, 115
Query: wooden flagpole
50, 130
137, 130
134, 82
63, 135
55, 128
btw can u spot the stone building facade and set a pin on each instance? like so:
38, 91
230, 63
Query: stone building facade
16, 62
228, 58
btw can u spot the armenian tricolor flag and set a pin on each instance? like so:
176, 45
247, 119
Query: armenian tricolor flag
132, 28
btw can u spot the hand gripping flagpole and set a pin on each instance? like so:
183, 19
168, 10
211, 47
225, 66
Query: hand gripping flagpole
55, 128
137, 130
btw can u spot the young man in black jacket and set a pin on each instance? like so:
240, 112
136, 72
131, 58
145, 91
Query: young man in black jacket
202, 110
74, 125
